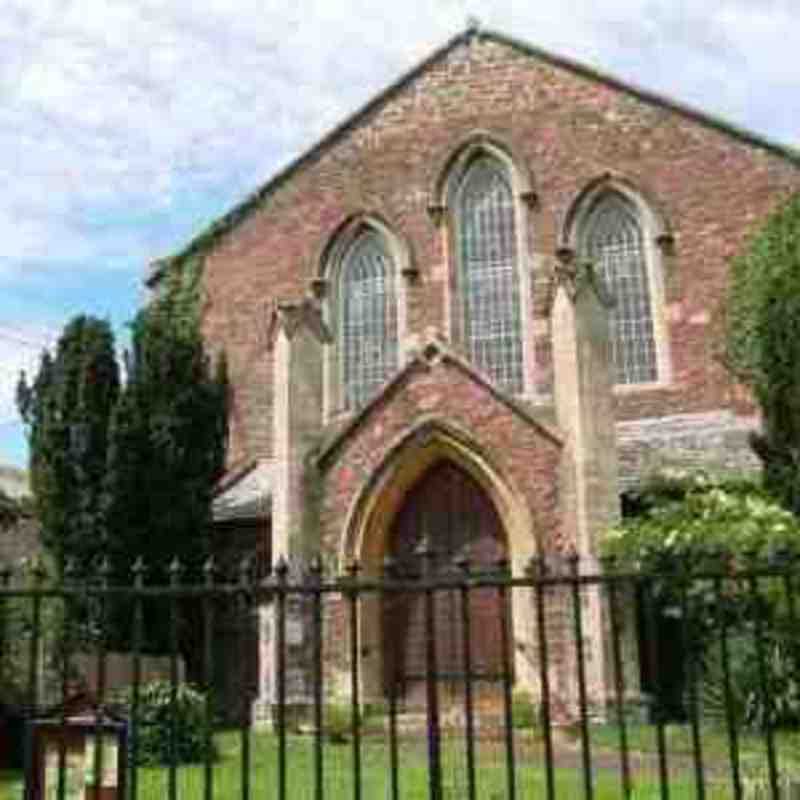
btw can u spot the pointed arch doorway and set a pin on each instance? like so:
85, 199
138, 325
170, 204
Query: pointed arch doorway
449, 514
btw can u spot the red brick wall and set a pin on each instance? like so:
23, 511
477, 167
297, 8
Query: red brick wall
567, 129
520, 452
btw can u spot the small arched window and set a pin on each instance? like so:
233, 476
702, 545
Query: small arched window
613, 239
487, 277
367, 318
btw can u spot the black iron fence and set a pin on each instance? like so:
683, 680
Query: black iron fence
436, 678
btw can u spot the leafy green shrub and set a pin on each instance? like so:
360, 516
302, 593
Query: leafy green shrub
337, 721
687, 522
781, 707
524, 713
684, 516
159, 721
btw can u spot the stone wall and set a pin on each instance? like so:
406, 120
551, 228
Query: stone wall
716, 441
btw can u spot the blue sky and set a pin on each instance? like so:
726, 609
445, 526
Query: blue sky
127, 125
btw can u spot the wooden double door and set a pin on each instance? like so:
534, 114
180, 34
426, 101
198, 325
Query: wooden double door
447, 514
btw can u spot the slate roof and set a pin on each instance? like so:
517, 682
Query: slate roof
246, 495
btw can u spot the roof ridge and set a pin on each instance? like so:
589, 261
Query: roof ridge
227, 221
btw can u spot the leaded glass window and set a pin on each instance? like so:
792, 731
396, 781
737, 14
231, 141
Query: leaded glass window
614, 241
368, 323
489, 292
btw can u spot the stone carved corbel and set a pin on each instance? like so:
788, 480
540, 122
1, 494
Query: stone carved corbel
436, 212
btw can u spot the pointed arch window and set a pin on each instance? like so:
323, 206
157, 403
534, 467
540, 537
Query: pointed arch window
614, 241
487, 278
367, 318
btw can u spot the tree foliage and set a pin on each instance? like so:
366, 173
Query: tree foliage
121, 472
67, 409
762, 344
167, 441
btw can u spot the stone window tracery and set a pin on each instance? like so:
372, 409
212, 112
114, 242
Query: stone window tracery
367, 324
488, 290
613, 239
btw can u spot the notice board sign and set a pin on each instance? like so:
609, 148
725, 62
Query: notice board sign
87, 756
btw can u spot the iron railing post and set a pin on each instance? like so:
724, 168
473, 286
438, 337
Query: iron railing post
137, 637
690, 653
355, 688
316, 632
175, 569
766, 698
281, 573
619, 676
466, 644
537, 570
506, 655
431, 678
209, 576
389, 574
577, 612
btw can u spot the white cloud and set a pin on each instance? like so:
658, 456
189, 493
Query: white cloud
144, 99
125, 124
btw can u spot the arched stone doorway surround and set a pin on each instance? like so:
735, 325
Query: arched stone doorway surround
369, 523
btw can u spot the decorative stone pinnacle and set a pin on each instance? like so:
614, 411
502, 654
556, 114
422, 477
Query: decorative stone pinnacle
565, 254
290, 315
319, 287
410, 273
530, 198
666, 242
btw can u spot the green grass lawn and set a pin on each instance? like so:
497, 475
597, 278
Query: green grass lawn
413, 774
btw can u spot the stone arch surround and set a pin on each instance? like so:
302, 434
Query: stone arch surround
371, 520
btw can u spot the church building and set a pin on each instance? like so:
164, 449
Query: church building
467, 320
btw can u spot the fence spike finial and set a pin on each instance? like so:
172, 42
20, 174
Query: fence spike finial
463, 564
209, 569
175, 569
316, 566
38, 569
244, 570
70, 569
104, 569
282, 568
138, 569
353, 568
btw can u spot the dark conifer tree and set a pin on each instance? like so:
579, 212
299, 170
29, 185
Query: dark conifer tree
67, 409
167, 448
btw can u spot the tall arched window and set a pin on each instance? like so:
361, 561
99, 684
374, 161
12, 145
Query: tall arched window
612, 238
367, 318
487, 278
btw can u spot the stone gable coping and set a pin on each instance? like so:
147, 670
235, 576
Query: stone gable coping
433, 353
206, 239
